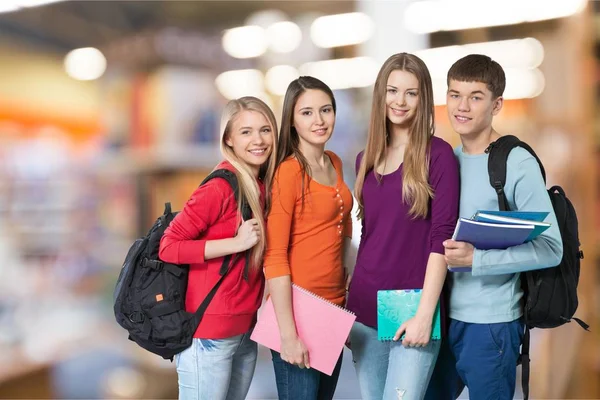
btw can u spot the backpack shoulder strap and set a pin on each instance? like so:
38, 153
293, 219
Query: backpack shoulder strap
498, 156
231, 178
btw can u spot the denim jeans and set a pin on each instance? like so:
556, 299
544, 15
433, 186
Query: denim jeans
388, 370
295, 383
216, 369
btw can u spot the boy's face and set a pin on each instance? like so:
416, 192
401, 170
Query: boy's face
471, 107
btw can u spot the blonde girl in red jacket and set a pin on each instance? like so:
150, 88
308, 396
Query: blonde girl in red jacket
221, 361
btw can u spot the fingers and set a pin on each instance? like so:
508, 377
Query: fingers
399, 332
306, 361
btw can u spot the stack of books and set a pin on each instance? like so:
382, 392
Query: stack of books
488, 230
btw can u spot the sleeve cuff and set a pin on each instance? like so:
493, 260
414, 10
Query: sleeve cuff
438, 247
276, 271
477, 269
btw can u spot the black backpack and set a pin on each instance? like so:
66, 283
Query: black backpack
149, 298
550, 294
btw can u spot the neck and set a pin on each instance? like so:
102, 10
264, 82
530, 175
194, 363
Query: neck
314, 154
399, 136
478, 142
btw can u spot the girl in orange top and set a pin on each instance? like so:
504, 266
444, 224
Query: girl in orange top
307, 228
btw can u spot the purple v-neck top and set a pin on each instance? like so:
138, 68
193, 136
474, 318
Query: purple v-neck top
394, 247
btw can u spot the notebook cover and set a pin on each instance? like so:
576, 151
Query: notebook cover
485, 236
322, 326
539, 226
538, 216
394, 307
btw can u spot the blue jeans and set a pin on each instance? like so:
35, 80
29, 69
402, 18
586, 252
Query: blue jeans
388, 370
295, 383
483, 356
216, 369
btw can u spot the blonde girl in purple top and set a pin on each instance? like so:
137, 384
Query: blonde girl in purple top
408, 191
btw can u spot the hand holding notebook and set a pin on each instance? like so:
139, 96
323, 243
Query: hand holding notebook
395, 307
500, 230
322, 326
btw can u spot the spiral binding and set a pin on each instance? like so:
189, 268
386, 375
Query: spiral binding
316, 296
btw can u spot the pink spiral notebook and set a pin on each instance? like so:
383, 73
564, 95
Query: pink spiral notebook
322, 326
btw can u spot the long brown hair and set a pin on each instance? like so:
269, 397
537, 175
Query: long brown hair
247, 183
416, 190
289, 140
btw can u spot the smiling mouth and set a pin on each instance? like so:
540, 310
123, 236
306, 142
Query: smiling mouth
395, 111
321, 131
462, 119
258, 152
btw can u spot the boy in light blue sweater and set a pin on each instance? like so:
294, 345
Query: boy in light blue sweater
486, 308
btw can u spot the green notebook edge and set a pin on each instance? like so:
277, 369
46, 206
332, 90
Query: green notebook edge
394, 307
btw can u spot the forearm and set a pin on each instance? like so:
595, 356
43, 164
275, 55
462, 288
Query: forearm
434, 281
348, 256
281, 295
221, 247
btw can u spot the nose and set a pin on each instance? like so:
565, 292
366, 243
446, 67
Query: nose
257, 138
401, 99
318, 118
463, 105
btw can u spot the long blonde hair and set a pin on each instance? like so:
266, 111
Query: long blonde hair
249, 189
416, 190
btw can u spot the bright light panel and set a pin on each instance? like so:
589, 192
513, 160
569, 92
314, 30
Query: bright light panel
284, 37
448, 15
239, 83
525, 53
279, 77
85, 64
245, 41
341, 29
344, 73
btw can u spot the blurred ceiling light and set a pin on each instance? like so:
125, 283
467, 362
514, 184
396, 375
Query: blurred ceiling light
85, 64
344, 73
341, 29
266, 18
14, 5
284, 37
520, 84
525, 53
448, 15
8, 7
238, 83
245, 41
34, 3
279, 77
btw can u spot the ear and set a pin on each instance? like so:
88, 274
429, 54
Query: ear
228, 142
498, 103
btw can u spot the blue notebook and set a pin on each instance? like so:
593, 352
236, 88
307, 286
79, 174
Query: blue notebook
538, 216
486, 236
394, 307
511, 219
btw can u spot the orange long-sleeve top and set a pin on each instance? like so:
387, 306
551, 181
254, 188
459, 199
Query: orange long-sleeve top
307, 243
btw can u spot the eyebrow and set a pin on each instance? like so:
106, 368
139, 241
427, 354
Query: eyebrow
474, 92
310, 108
250, 128
392, 86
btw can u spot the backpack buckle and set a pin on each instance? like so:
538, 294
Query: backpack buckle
498, 187
136, 317
154, 264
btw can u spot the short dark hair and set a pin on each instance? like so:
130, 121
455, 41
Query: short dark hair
479, 68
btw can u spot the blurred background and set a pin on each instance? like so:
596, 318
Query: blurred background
108, 109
